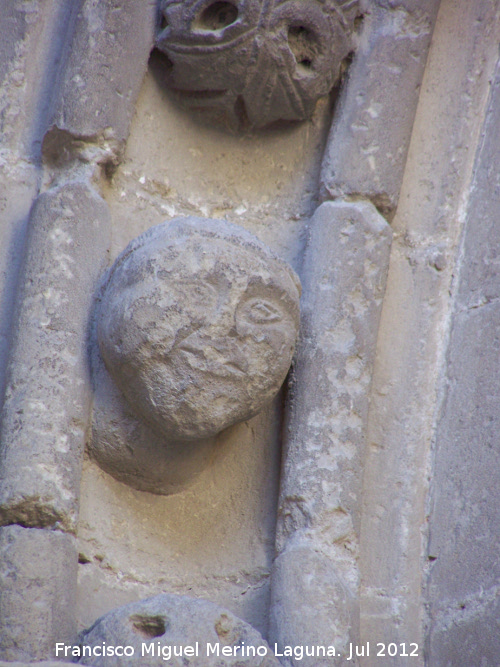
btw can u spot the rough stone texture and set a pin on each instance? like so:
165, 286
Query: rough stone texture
250, 63
311, 605
14, 23
414, 326
343, 276
38, 589
215, 539
47, 400
101, 78
175, 621
197, 326
464, 581
368, 144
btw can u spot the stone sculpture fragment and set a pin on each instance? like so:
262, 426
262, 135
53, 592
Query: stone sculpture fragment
250, 63
198, 629
196, 325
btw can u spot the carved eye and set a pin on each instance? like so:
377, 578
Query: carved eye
197, 298
260, 311
217, 16
304, 46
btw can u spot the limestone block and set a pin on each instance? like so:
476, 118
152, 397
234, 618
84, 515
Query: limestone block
37, 592
197, 326
107, 59
463, 592
416, 318
479, 284
253, 63
47, 401
344, 273
370, 135
153, 628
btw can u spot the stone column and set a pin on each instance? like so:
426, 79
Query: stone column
48, 395
317, 576
30, 43
368, 143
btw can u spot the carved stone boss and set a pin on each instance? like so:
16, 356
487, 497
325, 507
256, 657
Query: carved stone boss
196, 324
253, 62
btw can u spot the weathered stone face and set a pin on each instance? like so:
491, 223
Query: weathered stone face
197, 326
163, 622
253, 62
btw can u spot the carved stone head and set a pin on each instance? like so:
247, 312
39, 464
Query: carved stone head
197, 326
254, 62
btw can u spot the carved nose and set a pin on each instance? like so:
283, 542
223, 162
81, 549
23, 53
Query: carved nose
223, 322
230, 354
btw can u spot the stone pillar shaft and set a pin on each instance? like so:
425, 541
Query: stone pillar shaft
315, 577
48, 395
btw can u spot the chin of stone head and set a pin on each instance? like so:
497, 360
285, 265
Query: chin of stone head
197, 326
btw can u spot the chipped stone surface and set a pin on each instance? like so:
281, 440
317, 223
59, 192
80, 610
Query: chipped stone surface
37, 592
107, 59
197, 326
370, 135
249, 63
168, 621
343, 277
47, 401
31, 35
464, 579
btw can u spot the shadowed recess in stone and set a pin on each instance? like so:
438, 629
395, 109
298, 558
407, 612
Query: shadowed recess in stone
251, 63
149, 626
